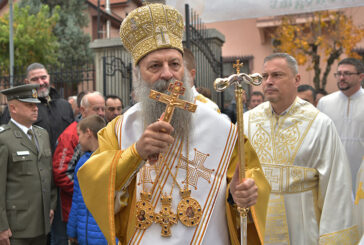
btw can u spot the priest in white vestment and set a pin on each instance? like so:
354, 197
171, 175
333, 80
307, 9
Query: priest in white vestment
346, 109
154, 182
304, 161
359, 200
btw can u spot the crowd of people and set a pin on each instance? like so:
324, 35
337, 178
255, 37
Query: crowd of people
89, 171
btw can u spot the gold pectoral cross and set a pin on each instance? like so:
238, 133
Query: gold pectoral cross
166, 218
172, 100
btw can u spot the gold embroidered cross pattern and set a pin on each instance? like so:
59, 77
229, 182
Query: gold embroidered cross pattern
196, 168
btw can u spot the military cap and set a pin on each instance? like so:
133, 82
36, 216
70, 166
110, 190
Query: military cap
152, 27
25, 93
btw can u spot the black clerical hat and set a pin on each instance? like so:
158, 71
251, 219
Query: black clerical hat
25, 93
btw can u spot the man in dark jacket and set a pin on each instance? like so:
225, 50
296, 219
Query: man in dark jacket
54, 113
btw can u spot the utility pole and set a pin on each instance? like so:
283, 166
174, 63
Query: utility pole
98, 19
108, 10
11, 43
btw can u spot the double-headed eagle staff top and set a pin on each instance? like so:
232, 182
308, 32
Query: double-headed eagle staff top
220, 85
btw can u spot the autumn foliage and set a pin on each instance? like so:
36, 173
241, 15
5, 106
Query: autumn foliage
316, 38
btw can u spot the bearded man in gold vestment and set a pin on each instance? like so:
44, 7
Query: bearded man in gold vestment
181, 196
304, 161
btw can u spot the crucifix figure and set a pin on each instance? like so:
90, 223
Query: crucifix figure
172, 100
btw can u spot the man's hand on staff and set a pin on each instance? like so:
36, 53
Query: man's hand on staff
245, 193
156, 139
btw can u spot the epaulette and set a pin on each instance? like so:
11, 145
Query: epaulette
39, 127
3, 128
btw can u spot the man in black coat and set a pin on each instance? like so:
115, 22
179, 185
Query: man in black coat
54, 113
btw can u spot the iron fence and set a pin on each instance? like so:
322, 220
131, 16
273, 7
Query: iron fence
208, 54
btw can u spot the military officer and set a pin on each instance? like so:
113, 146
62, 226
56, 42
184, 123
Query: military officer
28, 196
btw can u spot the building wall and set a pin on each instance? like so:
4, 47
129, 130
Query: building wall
123, 10
243, 38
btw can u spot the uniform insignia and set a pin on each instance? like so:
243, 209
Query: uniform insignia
3, 128
34, 93
17, 134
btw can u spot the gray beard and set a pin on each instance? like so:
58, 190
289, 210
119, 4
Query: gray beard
152, 109
43, 94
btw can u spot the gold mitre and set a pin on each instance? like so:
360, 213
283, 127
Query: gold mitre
152, 27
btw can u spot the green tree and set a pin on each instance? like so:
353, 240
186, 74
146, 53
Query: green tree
73, 42
33, 37
321, 39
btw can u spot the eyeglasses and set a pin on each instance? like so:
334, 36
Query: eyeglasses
34, 79
345, 74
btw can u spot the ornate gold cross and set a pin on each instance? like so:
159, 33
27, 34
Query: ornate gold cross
237, 66
166, 218
172, 100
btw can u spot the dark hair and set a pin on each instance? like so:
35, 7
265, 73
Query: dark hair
359, 66
93, 122
112, 96
305, 87
257, 93
189, 59
34, 66
204, 91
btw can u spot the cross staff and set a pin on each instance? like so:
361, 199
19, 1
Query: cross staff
221, 84
172, 100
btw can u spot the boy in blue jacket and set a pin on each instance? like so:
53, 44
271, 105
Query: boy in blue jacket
82, 227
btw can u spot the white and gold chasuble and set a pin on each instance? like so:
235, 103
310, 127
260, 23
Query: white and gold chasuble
207, 165
306, 165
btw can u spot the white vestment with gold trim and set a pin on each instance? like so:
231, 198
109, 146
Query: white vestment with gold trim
305, 163
205, 100
359, 199
208, 163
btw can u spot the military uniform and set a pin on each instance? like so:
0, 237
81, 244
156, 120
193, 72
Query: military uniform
26, 184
